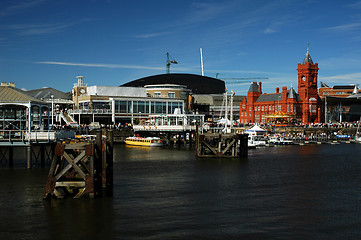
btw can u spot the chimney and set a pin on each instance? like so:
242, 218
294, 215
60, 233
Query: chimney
284, 92
11, 84
260, 87
277, 90
3, 84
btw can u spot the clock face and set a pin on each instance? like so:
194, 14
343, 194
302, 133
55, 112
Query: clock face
303, 78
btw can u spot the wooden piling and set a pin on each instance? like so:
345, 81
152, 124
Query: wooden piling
79, 169
221, 145
28, 157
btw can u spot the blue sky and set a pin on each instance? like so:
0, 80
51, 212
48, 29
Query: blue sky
47, 43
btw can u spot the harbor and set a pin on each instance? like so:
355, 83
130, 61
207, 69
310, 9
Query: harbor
166, 193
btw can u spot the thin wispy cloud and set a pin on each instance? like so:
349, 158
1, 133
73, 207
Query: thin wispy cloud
151, 35
102, 65
276, 26
40, 29
345, 78
345, 27
19, 7
354, 5
34, 29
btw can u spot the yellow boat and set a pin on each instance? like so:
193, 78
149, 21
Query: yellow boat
146, 142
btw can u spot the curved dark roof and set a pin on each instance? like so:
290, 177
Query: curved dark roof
197, 83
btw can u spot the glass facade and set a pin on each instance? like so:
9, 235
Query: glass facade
148, 107
101, 105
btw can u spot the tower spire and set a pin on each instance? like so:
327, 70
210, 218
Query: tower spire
308, 56
308, 48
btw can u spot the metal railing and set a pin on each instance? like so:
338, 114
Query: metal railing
90, 111
35, 135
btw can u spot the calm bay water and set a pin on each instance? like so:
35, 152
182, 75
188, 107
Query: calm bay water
291, 192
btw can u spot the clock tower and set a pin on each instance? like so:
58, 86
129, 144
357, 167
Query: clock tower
307, 89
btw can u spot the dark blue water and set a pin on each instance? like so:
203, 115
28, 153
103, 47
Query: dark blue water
291, 192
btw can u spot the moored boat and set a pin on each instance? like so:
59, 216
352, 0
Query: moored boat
256, 141
145, 142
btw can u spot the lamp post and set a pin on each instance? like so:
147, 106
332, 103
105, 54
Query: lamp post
52, 111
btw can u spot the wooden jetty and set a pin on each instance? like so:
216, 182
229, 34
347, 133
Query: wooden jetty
82, 168
221, 145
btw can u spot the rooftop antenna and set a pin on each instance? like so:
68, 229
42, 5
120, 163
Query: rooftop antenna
202, 61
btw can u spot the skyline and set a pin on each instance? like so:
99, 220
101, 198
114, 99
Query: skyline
47, 43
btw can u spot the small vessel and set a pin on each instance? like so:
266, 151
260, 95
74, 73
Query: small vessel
145, 142
256, 137
256, 141
277, 140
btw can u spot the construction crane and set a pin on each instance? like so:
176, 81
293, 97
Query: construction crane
169, 62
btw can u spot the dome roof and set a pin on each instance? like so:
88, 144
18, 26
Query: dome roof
197, 83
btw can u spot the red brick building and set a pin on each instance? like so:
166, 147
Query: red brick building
306, 106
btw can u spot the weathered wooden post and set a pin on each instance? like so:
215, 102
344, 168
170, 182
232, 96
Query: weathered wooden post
28, 157
197, 141
243, 145
98, 160
109, 164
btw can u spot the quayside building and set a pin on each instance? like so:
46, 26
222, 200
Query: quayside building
134, 101
305, 106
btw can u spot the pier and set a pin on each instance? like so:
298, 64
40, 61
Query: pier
231, 145
37, 146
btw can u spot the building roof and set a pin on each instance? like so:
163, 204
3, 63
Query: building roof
324, 85
46, 93
253, 87
307, 58
14, 95
274, 97
292, 93
196, 83
343, 87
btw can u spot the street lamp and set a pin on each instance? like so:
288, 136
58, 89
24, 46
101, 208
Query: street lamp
52, 111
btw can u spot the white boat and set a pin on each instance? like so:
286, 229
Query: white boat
256, 141
277, 140
256, 137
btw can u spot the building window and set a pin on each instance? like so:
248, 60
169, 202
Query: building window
262, 108
250, 108
171, 94
156, 94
